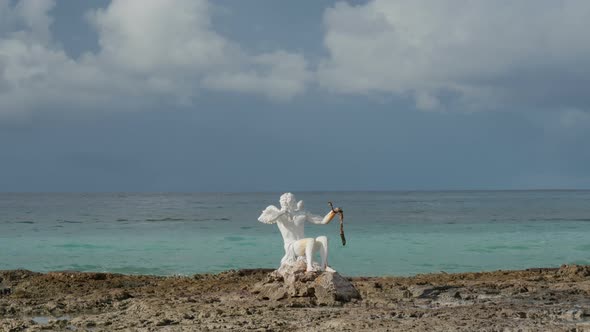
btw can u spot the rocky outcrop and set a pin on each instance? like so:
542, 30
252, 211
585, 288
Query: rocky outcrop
574, 270
319, 288
539, 299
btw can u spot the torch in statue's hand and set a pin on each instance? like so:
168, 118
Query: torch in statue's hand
340, 212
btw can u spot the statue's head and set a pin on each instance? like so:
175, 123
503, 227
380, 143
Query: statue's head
288, 202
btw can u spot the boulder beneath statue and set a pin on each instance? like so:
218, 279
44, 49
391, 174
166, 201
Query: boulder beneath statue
319, 288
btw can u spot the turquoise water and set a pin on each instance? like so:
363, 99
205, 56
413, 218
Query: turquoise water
388, 233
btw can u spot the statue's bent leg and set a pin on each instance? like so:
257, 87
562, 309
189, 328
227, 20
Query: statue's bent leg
306, 247
322, 244
310, 249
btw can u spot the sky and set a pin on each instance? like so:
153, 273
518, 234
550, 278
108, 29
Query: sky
262, 95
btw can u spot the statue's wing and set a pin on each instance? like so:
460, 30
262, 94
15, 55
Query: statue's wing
300, 206
270, 215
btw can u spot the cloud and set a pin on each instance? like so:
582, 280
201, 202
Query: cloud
26, 58
171, 47
149, 51
445, 55
461, 53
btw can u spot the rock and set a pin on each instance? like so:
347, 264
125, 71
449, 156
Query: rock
573, 314
5, 291
325, 288
51, 306
12, 325
59, 323
165, 321
16, 275
331, 287
120, 295
249, 272
20, 293
96, 276
271, 291
428, 291
574, 270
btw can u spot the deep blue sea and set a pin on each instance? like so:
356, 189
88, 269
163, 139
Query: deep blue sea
388, 233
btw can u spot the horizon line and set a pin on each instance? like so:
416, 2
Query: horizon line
300, 191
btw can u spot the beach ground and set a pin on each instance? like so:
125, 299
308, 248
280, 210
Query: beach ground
531, 300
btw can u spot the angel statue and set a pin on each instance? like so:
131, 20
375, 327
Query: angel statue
291, 219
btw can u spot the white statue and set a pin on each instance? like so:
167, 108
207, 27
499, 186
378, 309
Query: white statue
291, 219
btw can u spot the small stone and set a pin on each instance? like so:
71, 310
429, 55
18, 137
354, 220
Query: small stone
51, 306
406, 294
573, 314
165, 322
120, 295
5, 291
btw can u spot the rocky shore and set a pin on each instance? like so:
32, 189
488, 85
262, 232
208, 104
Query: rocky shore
531, 300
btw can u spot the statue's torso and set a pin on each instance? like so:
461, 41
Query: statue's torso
292, 229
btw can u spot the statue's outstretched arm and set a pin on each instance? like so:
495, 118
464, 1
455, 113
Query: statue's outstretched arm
315, 219
270, 215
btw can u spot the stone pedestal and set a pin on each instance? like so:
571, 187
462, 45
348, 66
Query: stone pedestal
320, 288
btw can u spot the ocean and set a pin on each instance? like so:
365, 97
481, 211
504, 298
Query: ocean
388, 233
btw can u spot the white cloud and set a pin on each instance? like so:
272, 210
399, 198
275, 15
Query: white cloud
157, 35
444, 54
27, 61
34, 15
149, 50
168, 42
472, 54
